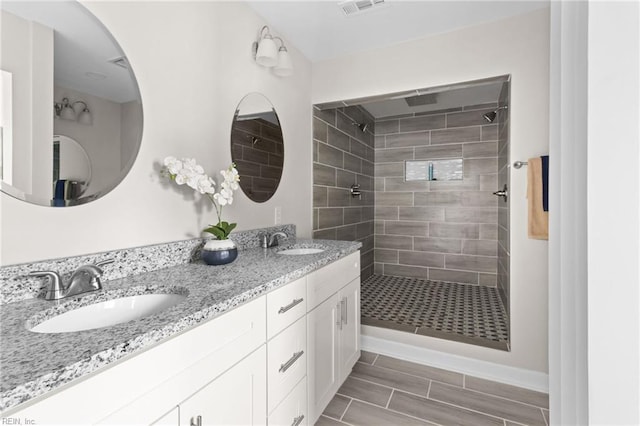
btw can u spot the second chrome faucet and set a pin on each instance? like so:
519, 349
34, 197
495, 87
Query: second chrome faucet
86, 278
267, 241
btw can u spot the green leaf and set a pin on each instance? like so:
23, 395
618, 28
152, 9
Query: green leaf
217, 232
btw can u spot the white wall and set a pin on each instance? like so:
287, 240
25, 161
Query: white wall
613, 213
100, 139
568, 262
193, 64
27, 53
518, 46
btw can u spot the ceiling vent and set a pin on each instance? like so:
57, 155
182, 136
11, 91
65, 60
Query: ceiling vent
357, 7
121, 62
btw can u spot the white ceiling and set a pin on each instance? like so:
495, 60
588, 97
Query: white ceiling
320, 30
82, 49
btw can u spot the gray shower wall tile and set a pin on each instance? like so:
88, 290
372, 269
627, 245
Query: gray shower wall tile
330, 217
399, 184
319, 196
364, 229
425, 122
480, 150
489, 182
396, 242
425, 213
324, 175
379, 141
488, 231
453, 276
387, 126
480, 166
392, 155
438, 151
389, 169
327, 115
489, 132
337, 197
419, 229
417, 258
337, 139
438, 245
454, 230
330, 156
471, 183
471, 263
488, 280
406, 271
352, 215
455, 135
402, 140
386, 213
480, 247
344, 178
468, 118
344, 123
352, 163
319, 130
394, 198
346, 233
325, 234
471, 215
386, 256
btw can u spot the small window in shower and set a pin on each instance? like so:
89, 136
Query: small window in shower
452, 169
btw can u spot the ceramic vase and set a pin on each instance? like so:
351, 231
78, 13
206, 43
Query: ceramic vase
219, 252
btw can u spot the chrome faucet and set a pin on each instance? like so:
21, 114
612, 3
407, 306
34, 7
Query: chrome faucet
267, 241
86, 278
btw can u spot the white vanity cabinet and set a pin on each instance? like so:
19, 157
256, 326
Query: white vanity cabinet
333, 329
277, 360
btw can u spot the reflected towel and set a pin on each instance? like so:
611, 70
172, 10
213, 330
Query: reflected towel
58, 193
538, 218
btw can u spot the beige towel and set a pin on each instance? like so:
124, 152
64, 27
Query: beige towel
538, 218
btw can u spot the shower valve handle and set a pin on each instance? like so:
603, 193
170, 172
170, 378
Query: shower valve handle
502, 193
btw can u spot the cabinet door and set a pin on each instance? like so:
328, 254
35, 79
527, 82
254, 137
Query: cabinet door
323, 358
349, 345
237, 397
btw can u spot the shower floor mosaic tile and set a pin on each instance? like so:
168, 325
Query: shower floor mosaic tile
465, 313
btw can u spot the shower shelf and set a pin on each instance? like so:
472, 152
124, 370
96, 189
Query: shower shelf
443, 170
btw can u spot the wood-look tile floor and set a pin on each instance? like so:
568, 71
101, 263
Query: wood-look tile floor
387, 391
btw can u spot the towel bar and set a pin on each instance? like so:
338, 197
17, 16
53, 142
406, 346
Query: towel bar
519, 164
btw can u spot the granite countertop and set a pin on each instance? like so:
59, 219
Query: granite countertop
35, 363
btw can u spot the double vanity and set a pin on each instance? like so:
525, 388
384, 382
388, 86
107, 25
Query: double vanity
268, 338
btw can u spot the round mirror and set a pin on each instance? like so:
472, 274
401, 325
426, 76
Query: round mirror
257, 147
63, 73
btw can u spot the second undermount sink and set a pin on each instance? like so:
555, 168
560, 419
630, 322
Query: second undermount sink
301, 250
109, 312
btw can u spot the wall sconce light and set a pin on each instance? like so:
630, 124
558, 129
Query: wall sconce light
267, 54
73, 111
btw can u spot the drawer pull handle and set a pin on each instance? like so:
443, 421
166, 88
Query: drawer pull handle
295, 302
284, 367
196, 421
339, 315
297, 420
343, 311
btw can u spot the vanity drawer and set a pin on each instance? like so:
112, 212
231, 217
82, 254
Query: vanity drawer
293, 410
326, 281
285, 305
286, 361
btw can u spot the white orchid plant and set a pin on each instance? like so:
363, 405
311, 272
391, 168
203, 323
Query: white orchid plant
187, 171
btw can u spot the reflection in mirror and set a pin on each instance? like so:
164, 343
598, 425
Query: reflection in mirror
257, 147
75, 82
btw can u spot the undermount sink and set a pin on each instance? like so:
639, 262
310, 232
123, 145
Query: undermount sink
302, 250
109, 312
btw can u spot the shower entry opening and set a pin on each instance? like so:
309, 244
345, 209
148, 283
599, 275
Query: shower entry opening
432, 212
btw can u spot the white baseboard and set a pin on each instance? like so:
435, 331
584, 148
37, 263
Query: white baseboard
527, 379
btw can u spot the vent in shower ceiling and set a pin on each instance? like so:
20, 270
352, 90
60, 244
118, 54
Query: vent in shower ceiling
357, 7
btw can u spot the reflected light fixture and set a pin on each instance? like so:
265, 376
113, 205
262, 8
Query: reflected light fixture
267, 54
77, 111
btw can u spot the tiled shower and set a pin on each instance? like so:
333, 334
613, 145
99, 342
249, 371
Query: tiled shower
429, 243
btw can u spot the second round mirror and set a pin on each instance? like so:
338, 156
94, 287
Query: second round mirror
257, 147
